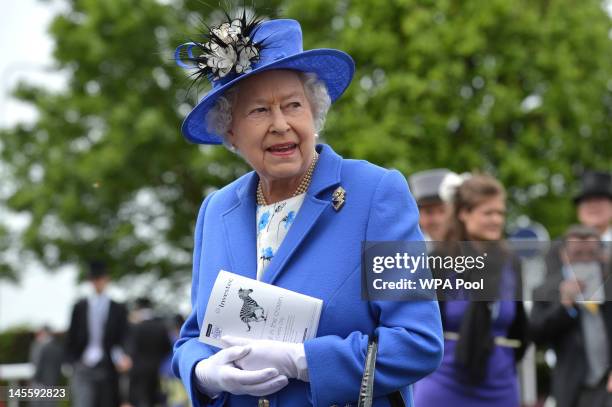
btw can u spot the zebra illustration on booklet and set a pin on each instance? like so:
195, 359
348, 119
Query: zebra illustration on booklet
250, 308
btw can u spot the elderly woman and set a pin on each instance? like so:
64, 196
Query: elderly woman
297, 221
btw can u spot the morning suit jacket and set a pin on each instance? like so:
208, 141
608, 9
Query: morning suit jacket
78, 333
148, 344
552, 325
320, 257
48, 363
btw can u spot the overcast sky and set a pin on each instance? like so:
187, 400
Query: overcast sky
26, 53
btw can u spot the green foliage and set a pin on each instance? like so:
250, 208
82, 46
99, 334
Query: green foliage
5, 269
104, 172
519, 89
15, 345
522, 90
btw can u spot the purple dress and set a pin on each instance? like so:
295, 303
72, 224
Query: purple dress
448, 386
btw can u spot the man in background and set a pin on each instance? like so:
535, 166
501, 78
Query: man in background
594, 203
46, 354
571, 315
148, 346
94, 344
433, 212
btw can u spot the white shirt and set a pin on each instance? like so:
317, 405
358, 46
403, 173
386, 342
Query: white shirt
607, 236
273, 223
97, 313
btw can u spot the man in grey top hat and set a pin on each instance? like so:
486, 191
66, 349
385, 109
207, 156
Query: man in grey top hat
433, 212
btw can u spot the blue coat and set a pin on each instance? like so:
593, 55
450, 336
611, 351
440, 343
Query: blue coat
320, 257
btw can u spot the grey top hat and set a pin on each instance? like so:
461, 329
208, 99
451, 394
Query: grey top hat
425, 185
594, 184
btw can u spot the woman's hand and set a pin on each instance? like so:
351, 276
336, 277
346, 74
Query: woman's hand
218, 374
288, 358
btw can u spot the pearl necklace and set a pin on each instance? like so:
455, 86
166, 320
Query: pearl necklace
303, 187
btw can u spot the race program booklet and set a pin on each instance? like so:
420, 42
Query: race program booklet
241, 306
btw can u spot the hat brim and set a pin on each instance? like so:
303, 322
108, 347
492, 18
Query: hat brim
429, 200
335, 68
591, 194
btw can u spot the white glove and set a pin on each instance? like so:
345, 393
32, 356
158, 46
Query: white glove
218, 374
288, 358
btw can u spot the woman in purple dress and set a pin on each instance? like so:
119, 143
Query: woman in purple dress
484, 338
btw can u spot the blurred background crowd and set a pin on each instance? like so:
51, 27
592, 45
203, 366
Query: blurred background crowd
98, 184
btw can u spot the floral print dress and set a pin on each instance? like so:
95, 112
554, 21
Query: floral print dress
273, 223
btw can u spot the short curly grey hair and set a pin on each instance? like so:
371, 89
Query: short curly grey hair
219, 117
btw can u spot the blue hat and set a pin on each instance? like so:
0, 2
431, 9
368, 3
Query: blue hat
277, 45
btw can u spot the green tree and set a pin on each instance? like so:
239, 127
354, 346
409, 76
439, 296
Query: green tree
104, 172
519, 89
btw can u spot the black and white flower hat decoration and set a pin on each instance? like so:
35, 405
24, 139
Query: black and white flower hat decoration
228, 48
239, 48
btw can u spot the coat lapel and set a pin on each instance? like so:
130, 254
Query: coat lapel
326, 175
240, 230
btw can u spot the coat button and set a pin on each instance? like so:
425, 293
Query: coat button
263, 402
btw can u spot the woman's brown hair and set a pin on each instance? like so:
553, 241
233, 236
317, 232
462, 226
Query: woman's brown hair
471, 193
